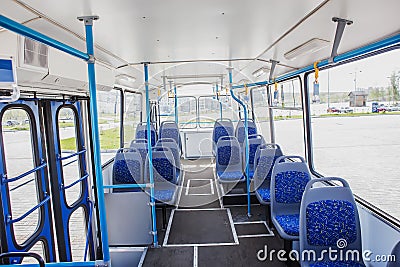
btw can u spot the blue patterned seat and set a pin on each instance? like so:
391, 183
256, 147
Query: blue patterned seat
337, 264
141, 133
222, 128
328, 219
127, 169
240, 133
171, 144
289, 223
169, 129
288, 181
164, 174
254, 142
264, 194
229, 161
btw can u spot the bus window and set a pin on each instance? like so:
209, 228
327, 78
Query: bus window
187, 112
166, 108
132, 115
261, 111
356, 127
19, 152
68, 145
109, 111
209, 110
77, 230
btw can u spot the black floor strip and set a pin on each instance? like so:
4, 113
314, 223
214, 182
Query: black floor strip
251, 229
169, 257
199, 227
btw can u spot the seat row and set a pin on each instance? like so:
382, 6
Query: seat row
318, 216
168, 129
229, 150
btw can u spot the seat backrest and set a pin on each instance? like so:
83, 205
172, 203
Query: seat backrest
329, 218
169, 129
228, 155
255, 140
239, 132
127, 168
222, 128
141, 146
141, 132
264, 161
163, 166
171, 144
288, 181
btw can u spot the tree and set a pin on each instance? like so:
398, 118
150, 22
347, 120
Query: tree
394, 86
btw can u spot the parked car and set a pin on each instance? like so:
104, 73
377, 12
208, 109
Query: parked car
382, 109
11, 123
333, 110
346, 110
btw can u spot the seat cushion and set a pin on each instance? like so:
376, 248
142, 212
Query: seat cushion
230, 176
264, 193
289, 223
164, 195
330, 220
337, 264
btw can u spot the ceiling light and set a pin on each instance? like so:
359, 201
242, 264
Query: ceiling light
308, 47
260, 71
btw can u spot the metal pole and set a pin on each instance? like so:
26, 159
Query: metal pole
220, 104
150, 157
246, 140
328, 89
176, 106
95, 136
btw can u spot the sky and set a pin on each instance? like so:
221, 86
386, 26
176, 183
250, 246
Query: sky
371, 72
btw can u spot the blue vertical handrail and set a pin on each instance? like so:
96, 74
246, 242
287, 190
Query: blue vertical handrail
246, 140
176, 106
150, 157
96, 142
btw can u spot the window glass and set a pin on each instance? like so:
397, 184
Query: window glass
187, 112
288, 117
19, 155
210, 109
166, 108
68, 145
109, 112
356, 127
133, 111
261, 111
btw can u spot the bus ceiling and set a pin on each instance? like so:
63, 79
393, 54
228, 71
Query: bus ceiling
201, 39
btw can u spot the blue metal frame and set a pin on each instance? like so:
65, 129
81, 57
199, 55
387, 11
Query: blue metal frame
83, 200
150, 157
246, 141
44, 230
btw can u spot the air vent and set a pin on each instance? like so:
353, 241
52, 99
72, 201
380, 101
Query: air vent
34, 55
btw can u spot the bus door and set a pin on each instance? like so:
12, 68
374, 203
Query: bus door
26, 220
69, 177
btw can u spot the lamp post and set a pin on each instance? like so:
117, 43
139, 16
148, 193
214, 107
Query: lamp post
355, 78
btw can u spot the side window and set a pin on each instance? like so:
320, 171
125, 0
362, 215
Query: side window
19, 152
166, 108
132, 115
356, 127
261, 111
209, 109
109, 111
187, 110
71, 169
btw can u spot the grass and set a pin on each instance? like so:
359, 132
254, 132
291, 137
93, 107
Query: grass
17, 127
109, 139
357, 114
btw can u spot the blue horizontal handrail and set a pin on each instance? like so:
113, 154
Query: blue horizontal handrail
25, 31
342, 57
74, 183
10, 221
127, 186
72, 155
5, 180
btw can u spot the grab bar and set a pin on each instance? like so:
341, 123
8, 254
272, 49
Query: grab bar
72, 155
5, 180
10, 221
74, 183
